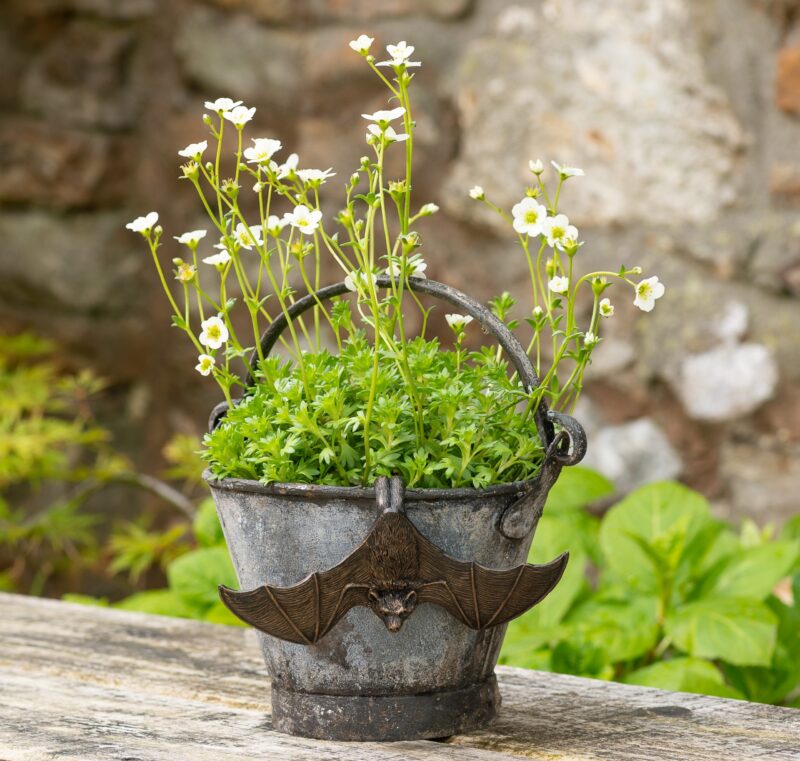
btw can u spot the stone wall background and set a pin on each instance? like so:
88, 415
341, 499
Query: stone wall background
685, 115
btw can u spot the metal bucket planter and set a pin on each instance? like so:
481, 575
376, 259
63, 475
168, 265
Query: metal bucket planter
382, 611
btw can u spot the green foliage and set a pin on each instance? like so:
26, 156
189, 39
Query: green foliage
680, 601
310, 429
47, 438
136, 548
194, 577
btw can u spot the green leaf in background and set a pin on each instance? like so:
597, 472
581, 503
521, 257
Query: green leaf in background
582, 658
684, 675
742, 632
663, 516
159, 602
621, 628
752, 573
195, 576
575, 489
782, 677
98, 602
206, 527
219, 614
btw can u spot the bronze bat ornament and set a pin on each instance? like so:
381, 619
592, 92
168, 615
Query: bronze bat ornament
393, 571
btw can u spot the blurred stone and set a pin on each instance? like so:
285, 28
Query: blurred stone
81, 263
781, 415
762, 480
345, 10
60, 168
110, 9
235, 57
728, 382
784, 182
787, 80
82, 77
633, 454
628, 99
612, 356
731, 325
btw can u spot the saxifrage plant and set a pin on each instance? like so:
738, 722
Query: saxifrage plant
390, 402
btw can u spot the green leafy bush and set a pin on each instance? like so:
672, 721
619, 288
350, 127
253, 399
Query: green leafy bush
47, 438
194, 577
304, 430
681, 601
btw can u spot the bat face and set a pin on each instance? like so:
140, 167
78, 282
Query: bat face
393, 607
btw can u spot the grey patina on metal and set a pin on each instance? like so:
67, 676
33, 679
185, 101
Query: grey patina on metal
435, 676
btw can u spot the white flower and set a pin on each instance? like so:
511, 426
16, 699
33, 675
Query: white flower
567, 171
538, 311
529, 216
415, 267
590, 339
222, 104
458, 321
477, 193
400, 54
315, 175
275, 224
247, 237
428, 209
559, 231
389, 134
288, 167
361, 44
239, 115
385, 116
217, 260
192, 238
214, 333
401, 51
606, 308
537, 167
144, 224
304, 219
647, 291
358, 278
194, 149
205, 364
185, 272
262, 150
558, 284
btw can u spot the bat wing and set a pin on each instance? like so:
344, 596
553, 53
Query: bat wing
305, 612
481, 597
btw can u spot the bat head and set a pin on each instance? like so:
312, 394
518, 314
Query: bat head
393, 607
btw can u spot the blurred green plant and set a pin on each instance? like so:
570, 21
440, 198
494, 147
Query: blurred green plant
53, 458
680, 600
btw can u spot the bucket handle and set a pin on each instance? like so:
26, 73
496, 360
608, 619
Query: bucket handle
567, 447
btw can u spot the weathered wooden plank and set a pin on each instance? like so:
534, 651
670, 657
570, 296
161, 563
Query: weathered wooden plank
88, 683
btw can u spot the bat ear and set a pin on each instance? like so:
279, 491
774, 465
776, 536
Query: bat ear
410, 599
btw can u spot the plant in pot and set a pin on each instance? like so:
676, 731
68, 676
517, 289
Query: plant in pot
378, 491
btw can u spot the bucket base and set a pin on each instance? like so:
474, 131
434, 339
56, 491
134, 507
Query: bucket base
384, 717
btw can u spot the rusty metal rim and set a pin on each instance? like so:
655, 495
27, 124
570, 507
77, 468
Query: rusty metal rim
365, 493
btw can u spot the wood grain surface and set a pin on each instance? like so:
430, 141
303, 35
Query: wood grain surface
86, 683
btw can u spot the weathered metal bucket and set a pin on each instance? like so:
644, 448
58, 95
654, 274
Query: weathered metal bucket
431, 675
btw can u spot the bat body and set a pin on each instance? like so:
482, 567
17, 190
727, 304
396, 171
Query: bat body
393, 571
